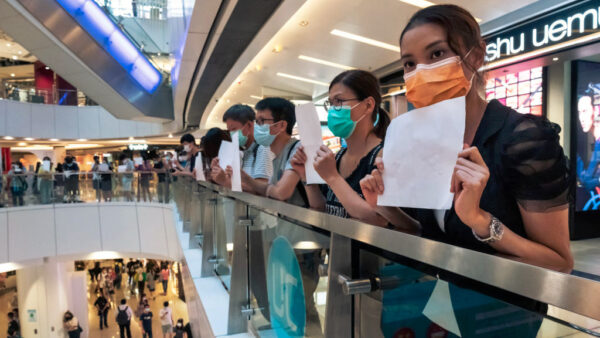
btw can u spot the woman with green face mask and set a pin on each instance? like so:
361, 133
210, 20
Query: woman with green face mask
354, 113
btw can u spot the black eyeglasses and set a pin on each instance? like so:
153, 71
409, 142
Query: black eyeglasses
260, 122
337, 103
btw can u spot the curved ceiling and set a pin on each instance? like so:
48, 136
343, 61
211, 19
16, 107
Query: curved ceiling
308, 33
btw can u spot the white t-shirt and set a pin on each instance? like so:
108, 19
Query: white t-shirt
167, 313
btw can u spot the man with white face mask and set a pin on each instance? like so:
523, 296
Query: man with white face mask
188, 142
275, 119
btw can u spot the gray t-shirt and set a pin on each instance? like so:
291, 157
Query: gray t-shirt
258, 161
281, 163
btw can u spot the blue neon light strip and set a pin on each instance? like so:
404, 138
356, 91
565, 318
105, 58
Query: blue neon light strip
93, 20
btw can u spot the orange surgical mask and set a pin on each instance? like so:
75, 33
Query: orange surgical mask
436, 82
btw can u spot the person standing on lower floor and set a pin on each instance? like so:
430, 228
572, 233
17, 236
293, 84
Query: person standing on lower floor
123, 318
164, 278
140, 278
146, 319
14, 330
46, 181
71, 325
102, 306
179, 330
166, 320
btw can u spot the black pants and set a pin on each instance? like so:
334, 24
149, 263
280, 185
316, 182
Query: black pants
141, 286
126, 327
103, 319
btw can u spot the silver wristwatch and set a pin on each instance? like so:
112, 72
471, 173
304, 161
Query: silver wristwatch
496, 232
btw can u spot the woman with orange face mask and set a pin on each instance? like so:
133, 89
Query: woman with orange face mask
511, 184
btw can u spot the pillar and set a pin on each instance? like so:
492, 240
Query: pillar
45, 292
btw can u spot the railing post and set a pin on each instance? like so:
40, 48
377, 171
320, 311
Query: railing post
238, 291
338, 313
208, 206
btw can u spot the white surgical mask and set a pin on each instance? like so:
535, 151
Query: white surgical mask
186, 148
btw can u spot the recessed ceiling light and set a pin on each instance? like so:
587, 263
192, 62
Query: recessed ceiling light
170, 135
29, 139
47, 68
324, 62
19, 52
555, 59
228, 100
14, 57
81, 139
365, 40
423, 4
8, 45
256, 97
54, 140
8, 138
130, 138
258, 68
303, 23
21, 144
277, 48
12, 74
303, 79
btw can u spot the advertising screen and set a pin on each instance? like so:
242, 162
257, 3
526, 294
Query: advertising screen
586, 138
523, 91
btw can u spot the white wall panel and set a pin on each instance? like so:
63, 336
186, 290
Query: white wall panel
65, 122
119, 228
172, 239
31, 232
18, 118
89, 122
3, 237
2, 117
77, 229
143, 128
42, 121
110, 126
153, 235
127, 128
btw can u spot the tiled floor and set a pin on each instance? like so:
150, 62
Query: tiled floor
178, 306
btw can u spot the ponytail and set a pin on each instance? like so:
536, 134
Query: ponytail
382, 120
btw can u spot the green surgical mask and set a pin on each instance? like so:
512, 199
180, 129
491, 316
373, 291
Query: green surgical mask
340, 122
241, 137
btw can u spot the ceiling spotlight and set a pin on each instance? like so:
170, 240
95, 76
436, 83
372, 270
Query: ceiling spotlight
81, 139
12, 74
8, 138
130, 138
258, 68
14, 57
303, 23
277, 48
21, 144
29, 139
54, 140
47, 68
555, 59
170, 135
8, 45
19, 52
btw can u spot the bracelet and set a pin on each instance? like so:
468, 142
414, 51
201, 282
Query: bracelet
496, 231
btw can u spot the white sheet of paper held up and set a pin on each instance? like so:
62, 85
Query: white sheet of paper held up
229, 155
199, 168
420, 152
311, 137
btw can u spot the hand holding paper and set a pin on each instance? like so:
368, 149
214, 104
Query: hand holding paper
229, 155
421, 149
199, 168
309, 128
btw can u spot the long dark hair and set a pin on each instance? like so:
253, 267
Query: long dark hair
364, 84
462, 32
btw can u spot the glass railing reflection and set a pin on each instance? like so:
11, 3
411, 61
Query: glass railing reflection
68, 97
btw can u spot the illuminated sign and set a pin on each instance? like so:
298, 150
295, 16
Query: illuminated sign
138, 147
563, 25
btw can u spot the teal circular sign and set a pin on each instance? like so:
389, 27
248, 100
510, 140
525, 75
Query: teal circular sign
286, 291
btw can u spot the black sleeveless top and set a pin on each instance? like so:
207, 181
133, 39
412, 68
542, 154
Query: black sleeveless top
365, 166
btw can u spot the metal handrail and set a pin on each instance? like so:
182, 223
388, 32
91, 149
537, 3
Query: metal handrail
568, 292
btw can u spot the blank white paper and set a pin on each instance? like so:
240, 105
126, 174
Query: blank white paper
311, 137
229, 155
420, 152
199, 168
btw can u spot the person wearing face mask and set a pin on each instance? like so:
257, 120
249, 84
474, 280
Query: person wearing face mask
161, 167
126, 169
275, 119
354, 114
71, 169
179, 330
45, 180
257, 159
17, 182
188, 142
511, 184
146, 319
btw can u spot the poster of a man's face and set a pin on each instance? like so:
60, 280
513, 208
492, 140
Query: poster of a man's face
585, 110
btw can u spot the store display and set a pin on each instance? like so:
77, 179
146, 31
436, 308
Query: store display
522, 91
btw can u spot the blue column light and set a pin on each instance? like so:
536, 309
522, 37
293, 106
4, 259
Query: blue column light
94, 21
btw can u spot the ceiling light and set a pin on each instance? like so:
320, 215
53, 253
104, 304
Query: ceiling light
12, 74
170, 135
19, 52
277, 48
303, 79
8, 45
396, 92
258, 68
423, 4
303, 23
256, 97
47, 68
8, 138
323, 62
14, 57
81, 139
555, 59
29, 139
365, 40
21, 144
54, 140
130, 138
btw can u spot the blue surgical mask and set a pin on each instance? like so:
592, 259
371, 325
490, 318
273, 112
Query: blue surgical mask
340, 121
262, 134
241, 137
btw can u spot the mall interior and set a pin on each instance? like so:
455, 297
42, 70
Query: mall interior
152, 182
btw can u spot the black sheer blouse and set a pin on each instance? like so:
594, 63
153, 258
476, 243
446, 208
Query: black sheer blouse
527, 168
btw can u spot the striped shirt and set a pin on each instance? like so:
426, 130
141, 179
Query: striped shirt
258, 161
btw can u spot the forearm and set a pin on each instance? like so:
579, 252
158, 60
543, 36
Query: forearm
249, 189
355, 205
258, 187
316, 200
399, 219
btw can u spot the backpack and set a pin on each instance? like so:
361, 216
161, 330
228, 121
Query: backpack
300, 185
122, 317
